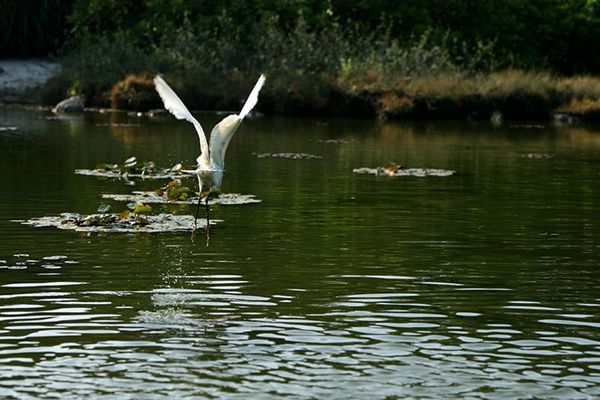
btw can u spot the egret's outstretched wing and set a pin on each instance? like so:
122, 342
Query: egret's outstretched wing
253, 98
224, 130
176, 107
220, 137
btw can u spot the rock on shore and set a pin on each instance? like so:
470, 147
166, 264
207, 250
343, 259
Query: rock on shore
72, 104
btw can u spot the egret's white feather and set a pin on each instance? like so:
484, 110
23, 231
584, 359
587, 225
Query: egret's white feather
253, 98
176, 107
220, 137
210, 167
222, 133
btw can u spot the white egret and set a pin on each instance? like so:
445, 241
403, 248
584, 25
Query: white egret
211, 161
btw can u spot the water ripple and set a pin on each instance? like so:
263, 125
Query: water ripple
475, 287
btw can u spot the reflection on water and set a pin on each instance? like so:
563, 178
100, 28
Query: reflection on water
479, 285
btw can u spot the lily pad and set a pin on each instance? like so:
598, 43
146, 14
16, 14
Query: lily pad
113, 223
291, 156
154, 198
398, 170
104, 208
176, 167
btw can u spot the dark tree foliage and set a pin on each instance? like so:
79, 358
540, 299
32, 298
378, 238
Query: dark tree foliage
557, 34
32, 28
561, 35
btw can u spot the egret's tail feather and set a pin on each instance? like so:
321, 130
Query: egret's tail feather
253, 98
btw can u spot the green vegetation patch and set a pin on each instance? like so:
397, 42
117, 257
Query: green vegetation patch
174, 190
405, 59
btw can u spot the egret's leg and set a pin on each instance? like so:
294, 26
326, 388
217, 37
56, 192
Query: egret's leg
196, 218
207, 213
207, 221
197, 210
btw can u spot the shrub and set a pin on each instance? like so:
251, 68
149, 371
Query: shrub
135, 92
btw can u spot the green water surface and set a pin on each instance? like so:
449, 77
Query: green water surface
484, 284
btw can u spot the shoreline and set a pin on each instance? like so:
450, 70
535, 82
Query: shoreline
511, 95
557, 119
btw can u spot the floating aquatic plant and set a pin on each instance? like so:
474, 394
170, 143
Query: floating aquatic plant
132, 168
291, 156
142, 209
120, 125
335, 141
136, 218
155, 198
174, 191
395, 170
119, 223
538, 156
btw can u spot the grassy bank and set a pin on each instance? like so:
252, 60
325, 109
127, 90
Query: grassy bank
330, 71
515, 94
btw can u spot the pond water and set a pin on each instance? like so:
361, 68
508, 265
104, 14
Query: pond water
483, 284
